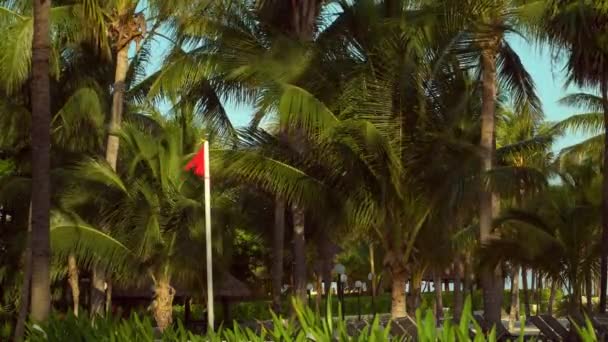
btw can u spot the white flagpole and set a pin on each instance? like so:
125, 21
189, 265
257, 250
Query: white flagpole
210, 313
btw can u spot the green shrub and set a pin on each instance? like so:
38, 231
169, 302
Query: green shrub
305, 326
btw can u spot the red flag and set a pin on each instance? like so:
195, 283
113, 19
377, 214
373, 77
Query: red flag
198, 163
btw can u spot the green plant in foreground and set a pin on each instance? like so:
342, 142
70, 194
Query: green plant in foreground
449, 331
305, 325
586, 332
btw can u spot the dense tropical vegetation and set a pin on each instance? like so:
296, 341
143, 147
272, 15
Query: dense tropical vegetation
402, 138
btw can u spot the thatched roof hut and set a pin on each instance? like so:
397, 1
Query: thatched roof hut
230, 287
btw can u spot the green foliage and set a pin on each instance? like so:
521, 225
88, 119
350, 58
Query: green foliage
429, 332
7, 167
586, 332
304, 325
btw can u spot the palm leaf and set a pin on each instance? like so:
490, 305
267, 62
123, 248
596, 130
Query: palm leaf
96, 170
69, 235
517, 81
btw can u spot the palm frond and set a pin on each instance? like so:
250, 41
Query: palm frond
271, 175
300, 108
70, 235
587, 101
96, 170
586, 123
78, 125
517, 81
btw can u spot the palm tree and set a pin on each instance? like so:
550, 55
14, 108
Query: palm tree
557, 232
113, 26
77, 108
488, 23
41, 162
246, 32
73, 114
297, 19
524, 141
155, 210
586, 66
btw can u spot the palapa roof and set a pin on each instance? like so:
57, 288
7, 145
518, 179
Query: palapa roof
230, 286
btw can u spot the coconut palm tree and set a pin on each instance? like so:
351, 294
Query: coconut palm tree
154, 208
486, 25
558, 231
586, 66
523, 140
72, 114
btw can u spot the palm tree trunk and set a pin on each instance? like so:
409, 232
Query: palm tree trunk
327, 258
163, 304
372, 268
437, 284
526, 291
414, 296
73, 281
514, 312
27, 281
589, 293
318, 297
122, 67
398, 305
552, 297
41, 145
533, 285
100, 280
278, 240
299, 249
604, 248
490, 279
467, 285
458, 292
540, 291
302, 17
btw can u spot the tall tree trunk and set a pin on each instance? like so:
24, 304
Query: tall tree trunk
589, 293
73, 281
326, 256
26, 285
278, 241
552, 297
437, 284
533, 291
524, 277
539, 302
162, 307
318, 297
299, 248
491, 279
414, 296
514, 312
467, 285
100, 281
604, 248
458, 292
398, 305
324, 263
302, 19
122, 67
372, 268
41, 162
